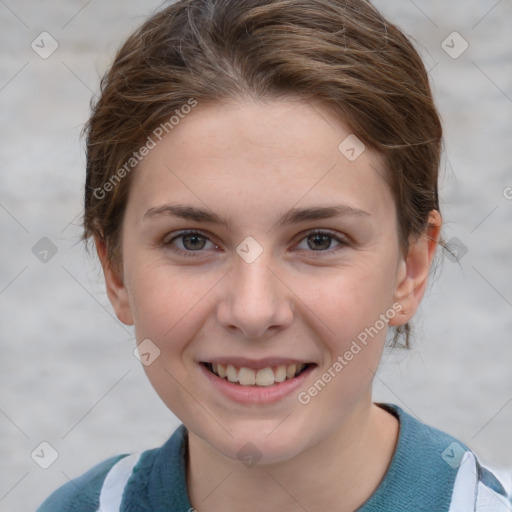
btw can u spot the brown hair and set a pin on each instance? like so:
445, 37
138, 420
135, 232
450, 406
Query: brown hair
341, 52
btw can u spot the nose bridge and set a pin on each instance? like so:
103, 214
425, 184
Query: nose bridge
254, 299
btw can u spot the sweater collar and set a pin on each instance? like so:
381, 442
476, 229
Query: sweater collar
417, 473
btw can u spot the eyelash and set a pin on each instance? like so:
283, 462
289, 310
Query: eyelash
190, 254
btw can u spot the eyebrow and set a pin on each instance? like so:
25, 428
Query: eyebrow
293, 216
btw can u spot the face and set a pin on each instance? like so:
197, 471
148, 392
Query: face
253, 246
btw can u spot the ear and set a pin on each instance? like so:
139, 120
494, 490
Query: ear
412, 275
116, 289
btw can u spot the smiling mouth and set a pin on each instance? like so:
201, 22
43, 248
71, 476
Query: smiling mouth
263, 377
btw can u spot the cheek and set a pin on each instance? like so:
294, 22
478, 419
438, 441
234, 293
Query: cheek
353, 298
354, 336
163, 299
169, 309
355, 307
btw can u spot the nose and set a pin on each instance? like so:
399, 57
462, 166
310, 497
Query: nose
255, 299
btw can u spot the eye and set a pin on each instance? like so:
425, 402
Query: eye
188, 242
321, 241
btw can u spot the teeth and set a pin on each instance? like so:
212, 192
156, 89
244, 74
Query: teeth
263, 377
221, 370
247, 377
231, 373
280, 373
290, 370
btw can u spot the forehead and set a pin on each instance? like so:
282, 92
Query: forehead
263, 156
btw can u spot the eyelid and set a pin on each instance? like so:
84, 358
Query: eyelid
177, 234
324, 231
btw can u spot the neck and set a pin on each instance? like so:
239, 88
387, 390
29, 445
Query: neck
338, 474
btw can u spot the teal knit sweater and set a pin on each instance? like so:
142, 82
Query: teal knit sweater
430, 471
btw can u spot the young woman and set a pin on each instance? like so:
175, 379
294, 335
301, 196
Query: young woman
262, 192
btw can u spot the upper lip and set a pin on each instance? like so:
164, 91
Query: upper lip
256, 364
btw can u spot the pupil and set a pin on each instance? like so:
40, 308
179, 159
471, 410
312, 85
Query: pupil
320, 238
194, 245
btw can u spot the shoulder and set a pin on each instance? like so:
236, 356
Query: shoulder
82, 493
435, 471
480, 487
128, 482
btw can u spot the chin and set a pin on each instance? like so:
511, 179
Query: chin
254, 442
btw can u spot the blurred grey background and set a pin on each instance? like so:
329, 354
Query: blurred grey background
67, 371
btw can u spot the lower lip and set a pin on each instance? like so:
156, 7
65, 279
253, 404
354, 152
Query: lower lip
257, 394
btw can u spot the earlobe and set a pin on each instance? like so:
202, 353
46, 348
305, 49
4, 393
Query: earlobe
116, 289
413, 271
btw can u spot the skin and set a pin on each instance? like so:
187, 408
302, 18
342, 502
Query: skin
251, 162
